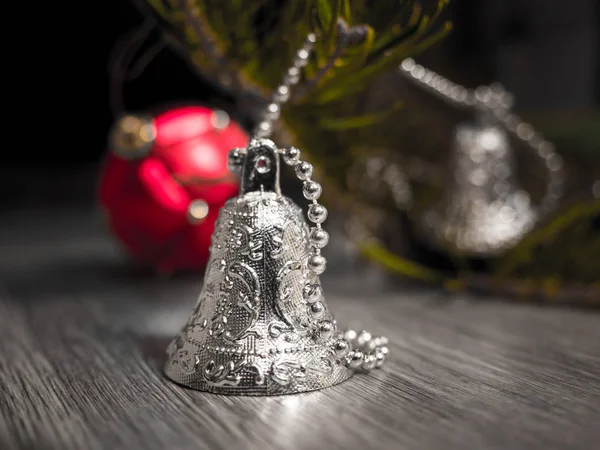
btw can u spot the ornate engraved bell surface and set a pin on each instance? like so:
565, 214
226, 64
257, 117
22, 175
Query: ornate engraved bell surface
484, 211
255, 328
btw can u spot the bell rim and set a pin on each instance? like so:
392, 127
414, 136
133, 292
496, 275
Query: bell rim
258, 391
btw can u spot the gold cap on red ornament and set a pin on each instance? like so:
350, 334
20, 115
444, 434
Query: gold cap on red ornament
132, 136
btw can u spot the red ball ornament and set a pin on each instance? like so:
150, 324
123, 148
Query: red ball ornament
164, 181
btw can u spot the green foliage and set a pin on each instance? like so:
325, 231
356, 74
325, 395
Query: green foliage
246, 46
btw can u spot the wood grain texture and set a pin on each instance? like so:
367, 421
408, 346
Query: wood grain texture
83, 333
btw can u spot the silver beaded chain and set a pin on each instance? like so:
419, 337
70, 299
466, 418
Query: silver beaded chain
497, 102
359, 351
355, 350
282, 93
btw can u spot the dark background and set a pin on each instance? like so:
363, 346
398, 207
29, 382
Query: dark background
545, 51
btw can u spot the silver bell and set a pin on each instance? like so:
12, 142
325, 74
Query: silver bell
484, 211
261, 325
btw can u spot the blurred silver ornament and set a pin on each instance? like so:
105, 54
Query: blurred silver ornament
484, 211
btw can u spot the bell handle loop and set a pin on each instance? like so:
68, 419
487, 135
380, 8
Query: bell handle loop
260, 170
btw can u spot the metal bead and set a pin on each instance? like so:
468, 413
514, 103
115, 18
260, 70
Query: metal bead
512, 122
317, 213
317, 310
317, 264
319, 238
341, 348
326, 329
355, 358
350, 335
483, 94
302, 58
312, 292
408, 64
363, 338
273, 111
304, 170
369, 362
235, 160
545, 149
291, 156
380, 359
417, 72
381, 340
554, 162
282, 94
311, 190
525, 131
292, 76
264, 128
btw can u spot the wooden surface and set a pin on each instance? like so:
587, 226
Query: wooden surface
83, 333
